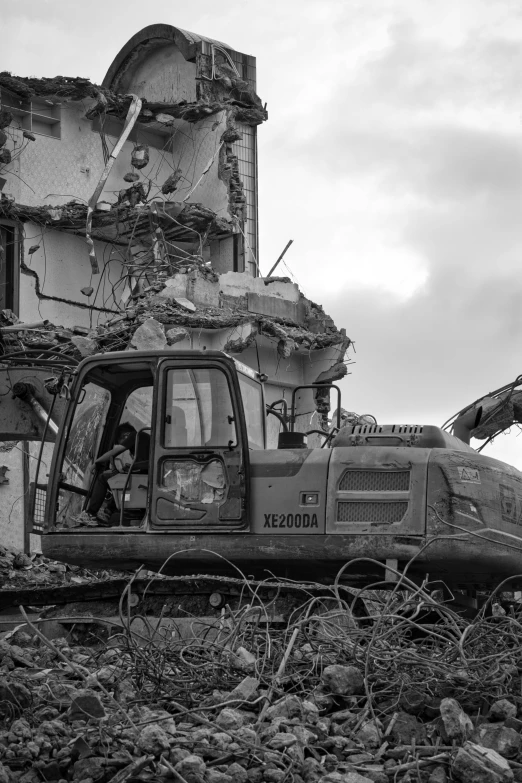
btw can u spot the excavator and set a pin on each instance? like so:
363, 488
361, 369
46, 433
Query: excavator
195, 490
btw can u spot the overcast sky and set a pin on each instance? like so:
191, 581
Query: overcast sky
392, 157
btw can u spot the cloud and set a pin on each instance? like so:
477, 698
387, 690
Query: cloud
427, 133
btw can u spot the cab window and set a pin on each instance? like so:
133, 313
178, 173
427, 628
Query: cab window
198, 410
253, 405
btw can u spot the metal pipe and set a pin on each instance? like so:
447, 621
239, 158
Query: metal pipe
130, 121
22, 327
24, 392
280, 257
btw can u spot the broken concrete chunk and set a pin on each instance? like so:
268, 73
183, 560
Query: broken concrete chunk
140, 156
245, 659
86, 705
175, 286
92, 768
192, 769
502, 710
171, 183
165, 119
185, 303
203, 291
150, 336
369, 735
287, 707
244, 690
153, 739
282, 740
505, 741
86, 346
413, 701
344, 777
237, 773
231, 134
230, 719
21, 560
475, 764
176, 335
215, 776
343, 680
457, 724
438, 775
407, 727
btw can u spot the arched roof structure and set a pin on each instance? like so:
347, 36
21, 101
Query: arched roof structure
153, 38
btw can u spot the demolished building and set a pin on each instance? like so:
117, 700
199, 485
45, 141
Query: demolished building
128, 219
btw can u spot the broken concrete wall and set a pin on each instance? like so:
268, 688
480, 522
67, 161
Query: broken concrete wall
58, 269
55, 170
214, 134
223, 313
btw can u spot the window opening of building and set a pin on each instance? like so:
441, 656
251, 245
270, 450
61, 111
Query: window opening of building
8, 268
38, 115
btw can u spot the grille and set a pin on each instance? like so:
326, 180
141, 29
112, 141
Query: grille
375, 481
38, 494
369, 511
365, 429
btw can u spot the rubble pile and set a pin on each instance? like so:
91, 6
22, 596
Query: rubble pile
226, 91
71, 217
161, 319
20, 570
409, 692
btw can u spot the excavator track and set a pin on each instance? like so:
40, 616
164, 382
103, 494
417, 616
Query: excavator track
153, 586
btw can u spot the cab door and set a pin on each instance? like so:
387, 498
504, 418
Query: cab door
201, 453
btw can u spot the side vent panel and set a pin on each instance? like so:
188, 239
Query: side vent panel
356, 511
375, 481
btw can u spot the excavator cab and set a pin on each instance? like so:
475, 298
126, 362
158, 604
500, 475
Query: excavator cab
180, 421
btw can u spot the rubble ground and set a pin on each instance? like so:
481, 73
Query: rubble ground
325, 698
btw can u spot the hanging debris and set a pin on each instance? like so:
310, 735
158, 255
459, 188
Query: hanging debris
171, 183
132, 196
140, 156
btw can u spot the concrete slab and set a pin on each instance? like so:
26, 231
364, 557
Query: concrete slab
275, 307
241, 283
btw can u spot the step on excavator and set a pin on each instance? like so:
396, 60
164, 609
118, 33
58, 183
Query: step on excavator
160, 460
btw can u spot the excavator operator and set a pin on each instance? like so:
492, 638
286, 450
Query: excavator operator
124, 440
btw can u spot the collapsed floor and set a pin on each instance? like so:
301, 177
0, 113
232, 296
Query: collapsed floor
323, 698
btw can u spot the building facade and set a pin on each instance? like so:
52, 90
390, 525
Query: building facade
137, 199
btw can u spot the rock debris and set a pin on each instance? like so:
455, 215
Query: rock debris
377, 699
